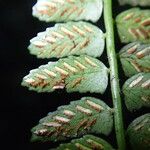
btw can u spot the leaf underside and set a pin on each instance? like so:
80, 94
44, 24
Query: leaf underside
135, 2
134, 25
67, 10
64, 39
137, 91
138, 133
85, 116
76, 74
87, 142
135, 58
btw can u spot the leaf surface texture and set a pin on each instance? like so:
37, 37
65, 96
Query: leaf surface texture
67, 10
87, 142
85, 116
134, 25
64, 39
137, 91
76, 74
135, 2
135, 58
138, 133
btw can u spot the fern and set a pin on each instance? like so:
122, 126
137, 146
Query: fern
135, 2
73, 73
72, 38
88, 115
137, 91
133, 25
87, 74
115, 88
135, 58
138, 133
88, 142
67, 10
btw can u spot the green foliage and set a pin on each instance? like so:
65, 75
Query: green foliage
67, 10
87, 142
85, 116
135, 2
134, 25
138, 133
73, 73
135, 58
72, 38
137, 91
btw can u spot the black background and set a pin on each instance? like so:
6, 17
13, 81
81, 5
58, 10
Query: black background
21, 109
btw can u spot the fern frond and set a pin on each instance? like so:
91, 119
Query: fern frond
73, 73
87, 142
138, 133
72, 38
135, 58
135, 2
88, 115
134, 25
67, 10
137, 91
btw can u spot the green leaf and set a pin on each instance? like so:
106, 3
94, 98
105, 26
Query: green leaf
135, 2
138, 133
73, 73
134, 25
137, 91
87, 142
85, 116
67, 10
64, 39
135, 58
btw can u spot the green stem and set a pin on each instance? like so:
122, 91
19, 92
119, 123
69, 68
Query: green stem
115, 89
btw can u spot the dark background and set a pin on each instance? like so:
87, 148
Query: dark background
21, 109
